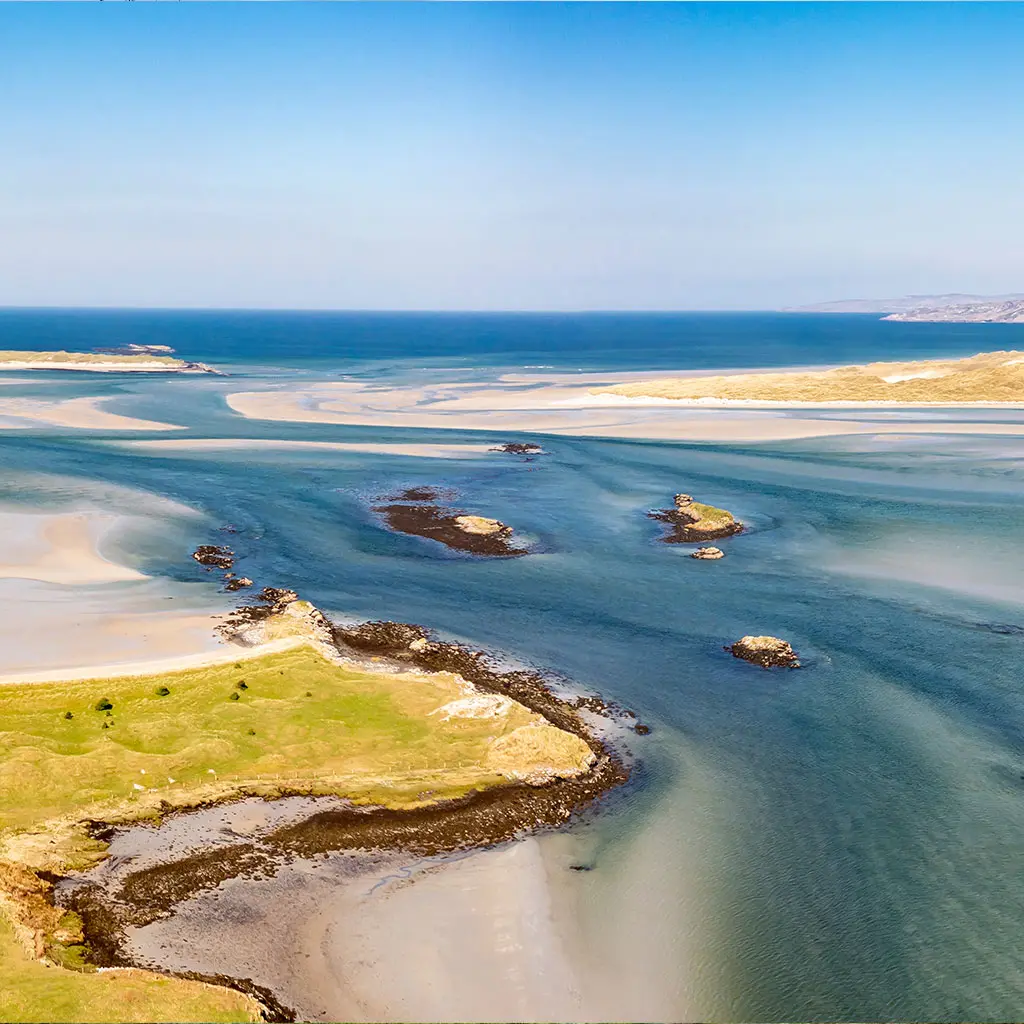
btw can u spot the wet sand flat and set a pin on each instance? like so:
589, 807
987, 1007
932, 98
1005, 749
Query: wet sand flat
384, 938
73, 413
422, 451
559, 407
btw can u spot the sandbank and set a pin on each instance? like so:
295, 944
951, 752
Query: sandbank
75, 413
58, 548
422, 451
69, 609
560, 408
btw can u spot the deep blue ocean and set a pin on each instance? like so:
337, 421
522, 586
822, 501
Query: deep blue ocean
845, 842
597, 341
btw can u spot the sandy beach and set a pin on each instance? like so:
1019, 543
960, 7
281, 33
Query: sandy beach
386, 938
73, 413
561, 408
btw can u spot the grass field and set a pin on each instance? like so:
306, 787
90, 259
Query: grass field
32, 991
125, 749
711, 518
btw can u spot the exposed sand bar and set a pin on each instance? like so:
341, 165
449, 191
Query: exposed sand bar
51, 632
75, 413
422, 451
71, 612
172, 633
560, 408
58, 548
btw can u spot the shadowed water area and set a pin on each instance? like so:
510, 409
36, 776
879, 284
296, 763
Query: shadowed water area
838, 842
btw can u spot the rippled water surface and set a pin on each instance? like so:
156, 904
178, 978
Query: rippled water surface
841, 842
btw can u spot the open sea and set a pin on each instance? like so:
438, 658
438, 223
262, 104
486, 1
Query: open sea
843, 842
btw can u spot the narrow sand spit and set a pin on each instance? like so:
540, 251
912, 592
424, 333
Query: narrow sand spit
168, 637
560, 408
422, 451
74, 413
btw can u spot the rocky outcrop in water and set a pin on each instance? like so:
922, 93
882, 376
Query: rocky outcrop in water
236, 582
418, 512
766, 651
708, 554
519, 448
692, 522
214, 556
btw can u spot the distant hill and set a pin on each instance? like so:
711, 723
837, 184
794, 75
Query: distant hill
990, 311
908, 304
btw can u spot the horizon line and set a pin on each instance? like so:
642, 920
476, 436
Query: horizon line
414, 312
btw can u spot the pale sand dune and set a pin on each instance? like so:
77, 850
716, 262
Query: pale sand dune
996, 377
75, 413
423, 451
58, 548
576, 410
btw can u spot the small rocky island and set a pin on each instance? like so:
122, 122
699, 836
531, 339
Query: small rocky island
418, 511
766, 651
708, 554
692, 522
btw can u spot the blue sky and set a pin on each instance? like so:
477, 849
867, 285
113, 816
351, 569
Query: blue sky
508, 156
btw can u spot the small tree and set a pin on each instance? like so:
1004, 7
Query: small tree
103, 704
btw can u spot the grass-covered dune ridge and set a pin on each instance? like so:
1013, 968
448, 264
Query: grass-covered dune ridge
63, 360
300, 719
987, 377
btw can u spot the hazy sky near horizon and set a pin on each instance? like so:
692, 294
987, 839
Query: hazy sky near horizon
509, 156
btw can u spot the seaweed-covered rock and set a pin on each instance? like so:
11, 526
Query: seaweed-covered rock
237, 583
214, 556
766, 651
383, 637
519, 448
416, 512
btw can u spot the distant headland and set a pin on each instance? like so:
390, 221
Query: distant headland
129, 359
953, 307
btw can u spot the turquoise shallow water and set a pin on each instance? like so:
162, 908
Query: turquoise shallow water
842, 842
